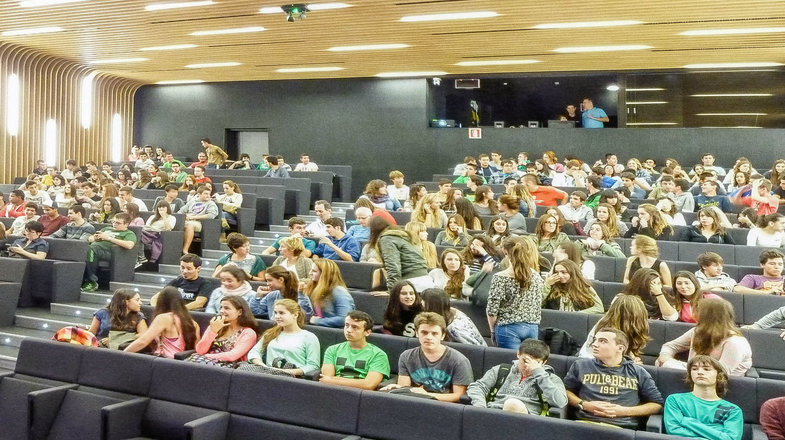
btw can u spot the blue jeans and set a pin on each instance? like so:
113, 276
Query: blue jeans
511, 335
211, 166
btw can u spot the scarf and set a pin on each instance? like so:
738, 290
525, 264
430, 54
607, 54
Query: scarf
240, 291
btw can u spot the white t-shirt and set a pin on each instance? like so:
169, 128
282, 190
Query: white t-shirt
759, 237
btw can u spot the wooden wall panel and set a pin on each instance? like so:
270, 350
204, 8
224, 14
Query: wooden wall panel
50, 88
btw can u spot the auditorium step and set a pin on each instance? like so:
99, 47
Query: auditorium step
13, 336
153, 278
77, 310
8, 355
255, 249
144, 290
41, 319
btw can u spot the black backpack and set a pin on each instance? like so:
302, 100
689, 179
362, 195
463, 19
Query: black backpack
559, 341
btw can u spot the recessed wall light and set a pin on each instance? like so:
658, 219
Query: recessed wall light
208, 65
31, 31
738, 31
405, 74
171, 47
449, 16
367, 47
308, 69
229, 31
177, 5
119, 61
731, 114
181, 81
730, 95
646, 89
613, 88
652, 123
581, 49
587, 24
495, 62
731, 65
646, 102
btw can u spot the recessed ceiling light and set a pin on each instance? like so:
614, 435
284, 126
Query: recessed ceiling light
495, 62
703, 32
207, 65
119, 61
731, 65
646, 102
731, 114
404, 74
310, 6
648, 89
162, 6
32, 31
730, 95
450, 16
367, 47
270, 10
36, 3
612, 88
229, 31
652, 123
308, 69
587, 24
181, 81
171, 47
581, 49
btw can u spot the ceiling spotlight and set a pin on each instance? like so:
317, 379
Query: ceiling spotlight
295, 11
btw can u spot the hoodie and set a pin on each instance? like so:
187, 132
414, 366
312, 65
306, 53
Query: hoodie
517, 387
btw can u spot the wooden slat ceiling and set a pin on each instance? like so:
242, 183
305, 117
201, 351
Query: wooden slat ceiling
108, 29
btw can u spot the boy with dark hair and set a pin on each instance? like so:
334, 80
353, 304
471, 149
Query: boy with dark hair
355, 363
702, 413
470, 170
770, 281
710, 273
337, 245
32, 246
170, 196
433, 368
194, 290
528, 386
78, 228
296, 229
199, 208
15, 206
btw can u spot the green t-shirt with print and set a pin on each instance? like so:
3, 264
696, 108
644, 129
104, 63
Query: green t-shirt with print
355, 364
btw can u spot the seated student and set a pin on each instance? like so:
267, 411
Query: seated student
769, 231
173, 330
15, 206
509, 208
625, 405
772, 418
123, 313
194, 290
709, 228
702, 413
433, 368
460, 328
296, 229
329, 296
715, 335
757, 196
231, 334
566, 289
770, 281
548, 234
575, 210
403, 305
78, 228
645, 255
285, 349
52, 221
337, 245
647, 285
241, 256
196, 210
18, 226
454, 234
452, 275
688, 293
650, 222
599, 243
281, 284
528, 386
292, 258
360, 231
234, 282
710, 273
101, 245
32, 246
376, 193
355, 363
170, 197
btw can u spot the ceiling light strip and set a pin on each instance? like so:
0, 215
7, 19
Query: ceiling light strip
583, 49
119, 61
587, 24
170, 47
178, 5
448, 16
738, 31
309, 69
368, 47
209, 65
409, 74
496, 62
31, 31
229, 31
730, 95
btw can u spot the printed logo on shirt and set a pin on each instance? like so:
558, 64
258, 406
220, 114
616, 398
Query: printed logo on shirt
722, 413
609, 383
344, 369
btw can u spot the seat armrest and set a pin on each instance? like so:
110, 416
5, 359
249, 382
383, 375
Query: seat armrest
182, 355
313, 375
123, 420
43, 407
558, 413
758, 434
654, 424
212, 427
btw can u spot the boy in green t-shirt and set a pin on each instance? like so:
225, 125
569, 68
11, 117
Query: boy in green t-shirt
355, 363
101, 244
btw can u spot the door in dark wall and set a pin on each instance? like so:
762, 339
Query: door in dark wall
253, 141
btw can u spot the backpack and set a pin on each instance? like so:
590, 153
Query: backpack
501, 376
559, 341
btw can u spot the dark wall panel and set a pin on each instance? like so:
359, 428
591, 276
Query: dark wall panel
378, 125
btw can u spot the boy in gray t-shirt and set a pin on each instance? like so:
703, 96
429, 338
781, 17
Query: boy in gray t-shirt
433, 368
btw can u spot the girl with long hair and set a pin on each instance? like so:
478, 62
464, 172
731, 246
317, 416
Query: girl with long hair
453, 195
281, 284
747, 219
145, 180
628, 314
452, 275
777, 171
715, 335
709, 229
498, 229
429, 211
607, 215
109, 208
454, 234
515, 296
231, 334
669, 212
418, 233
57, 186
161, 220
416, 193
770, 231
330, 298
460, 328
687, 290
481, 253
527, 206
599, 243
402, 258
230, 201
571, 251
376, 192
647, 285
285, 349
402, 306
123, 313
548, 234
67, 198
645, 255
465, 209
234, 282
649, 222
173, 330
484, 203
509, 208
566, 289
241, 256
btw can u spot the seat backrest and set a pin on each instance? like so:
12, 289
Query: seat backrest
409, 418
768, 389
67, 250
79, 416
764, 355
49, 359
574, 323
605, 269
689, 251
757, 306
169, 382
166, 420
474, 353
370, 304
99, 369
14, 407
295, 401
392, 345
669, 250
14, 269
248, 428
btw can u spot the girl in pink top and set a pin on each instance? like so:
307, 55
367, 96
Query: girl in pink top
230, 336
716, 335
172, 329
687, 290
